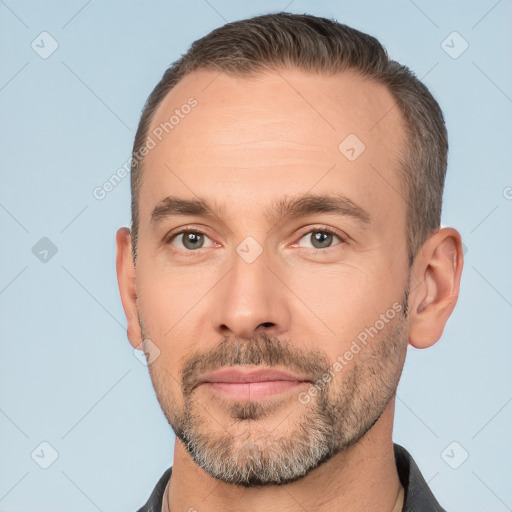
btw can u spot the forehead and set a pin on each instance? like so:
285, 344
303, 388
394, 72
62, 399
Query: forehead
275, 133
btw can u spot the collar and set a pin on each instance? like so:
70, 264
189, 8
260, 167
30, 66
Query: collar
417, 494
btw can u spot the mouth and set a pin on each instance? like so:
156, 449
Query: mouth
243, 384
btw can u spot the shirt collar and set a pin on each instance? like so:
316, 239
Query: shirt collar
417, 494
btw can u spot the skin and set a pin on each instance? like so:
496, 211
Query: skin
250, 142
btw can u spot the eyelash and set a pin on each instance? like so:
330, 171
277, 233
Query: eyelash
317, 229
322, 229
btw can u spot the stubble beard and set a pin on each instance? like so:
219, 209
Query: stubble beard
263, 454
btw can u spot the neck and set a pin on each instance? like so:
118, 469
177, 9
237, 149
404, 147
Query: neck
361, 478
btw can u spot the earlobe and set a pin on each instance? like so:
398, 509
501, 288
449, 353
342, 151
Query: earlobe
435, 280
126, 281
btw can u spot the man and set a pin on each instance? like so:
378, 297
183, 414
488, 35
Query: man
285, 249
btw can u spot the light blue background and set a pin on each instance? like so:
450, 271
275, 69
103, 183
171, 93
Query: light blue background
67, 373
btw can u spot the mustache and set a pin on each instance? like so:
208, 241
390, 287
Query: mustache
261, 350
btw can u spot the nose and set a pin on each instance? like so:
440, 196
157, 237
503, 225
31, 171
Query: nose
250, 300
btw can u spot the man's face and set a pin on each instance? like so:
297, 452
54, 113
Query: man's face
271, 279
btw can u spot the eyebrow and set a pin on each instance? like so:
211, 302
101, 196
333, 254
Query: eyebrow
289, 207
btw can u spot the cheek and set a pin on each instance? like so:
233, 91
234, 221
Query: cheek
169, 302
166, 382
168, 296
343, 301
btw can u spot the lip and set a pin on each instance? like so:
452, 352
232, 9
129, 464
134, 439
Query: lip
251, 384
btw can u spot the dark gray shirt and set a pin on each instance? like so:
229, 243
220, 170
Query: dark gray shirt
417, 495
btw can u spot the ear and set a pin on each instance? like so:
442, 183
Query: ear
435, 281
126, 280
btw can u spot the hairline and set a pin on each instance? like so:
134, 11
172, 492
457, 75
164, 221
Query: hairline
402, 160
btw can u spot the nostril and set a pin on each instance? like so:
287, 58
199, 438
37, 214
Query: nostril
266, 324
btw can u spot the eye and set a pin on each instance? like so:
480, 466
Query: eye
189, 240
319, 238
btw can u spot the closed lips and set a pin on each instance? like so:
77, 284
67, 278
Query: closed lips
239, 384
234, 375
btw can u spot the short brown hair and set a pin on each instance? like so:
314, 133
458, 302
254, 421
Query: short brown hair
318, 45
